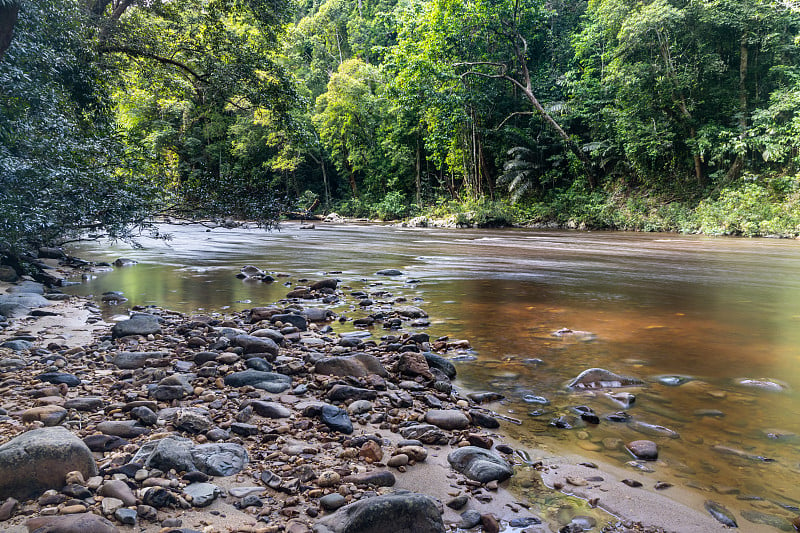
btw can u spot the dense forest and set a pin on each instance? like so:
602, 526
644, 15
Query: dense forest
629, 114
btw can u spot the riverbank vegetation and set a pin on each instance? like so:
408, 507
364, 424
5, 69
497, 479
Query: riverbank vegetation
657, 115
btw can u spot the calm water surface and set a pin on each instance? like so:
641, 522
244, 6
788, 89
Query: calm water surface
712, 309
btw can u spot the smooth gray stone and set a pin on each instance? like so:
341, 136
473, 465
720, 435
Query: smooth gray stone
17, 345
137, 325
203, 494
252, 344
400, 512
437, 361
132, 360
479, 464
269, 381
40, 459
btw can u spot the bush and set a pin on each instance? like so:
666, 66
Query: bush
768, 207
393, 206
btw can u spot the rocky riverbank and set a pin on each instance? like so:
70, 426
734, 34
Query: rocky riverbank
265, 420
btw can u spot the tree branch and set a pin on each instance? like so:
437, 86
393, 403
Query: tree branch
149, 55
512, 115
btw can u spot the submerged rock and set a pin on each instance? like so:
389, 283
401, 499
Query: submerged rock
764, 384
720, 513
646, 450
653, 430
673, 380
600, 378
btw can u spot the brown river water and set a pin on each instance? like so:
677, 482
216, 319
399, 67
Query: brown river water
691, 316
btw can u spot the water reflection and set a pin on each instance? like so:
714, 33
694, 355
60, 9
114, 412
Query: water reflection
715, 310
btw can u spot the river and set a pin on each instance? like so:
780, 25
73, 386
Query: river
692, 316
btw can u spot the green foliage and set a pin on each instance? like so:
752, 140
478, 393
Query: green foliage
62, 170
394, 206
769, 207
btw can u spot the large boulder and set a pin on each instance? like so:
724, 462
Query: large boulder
600, 378
39, 460
76, 523
24, 299
27, 287
401, 512
479, 464
8, 274
137, 325
356, 365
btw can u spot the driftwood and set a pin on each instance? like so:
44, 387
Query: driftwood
305, 214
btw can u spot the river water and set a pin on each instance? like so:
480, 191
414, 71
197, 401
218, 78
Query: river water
691, 316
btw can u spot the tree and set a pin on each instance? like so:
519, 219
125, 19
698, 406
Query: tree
59, 157
348, 118
206, 106
8, 17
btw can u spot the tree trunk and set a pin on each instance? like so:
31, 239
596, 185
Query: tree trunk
419, 171
574, 148
8, 18
527, 88
743, 60
667, 57
327, 188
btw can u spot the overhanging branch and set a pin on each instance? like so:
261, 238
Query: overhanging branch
133, 52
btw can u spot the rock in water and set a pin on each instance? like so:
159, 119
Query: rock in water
479, 464
136, 325
720, 513
76, 523
600, 378
643, 449
401, 512
40, 459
